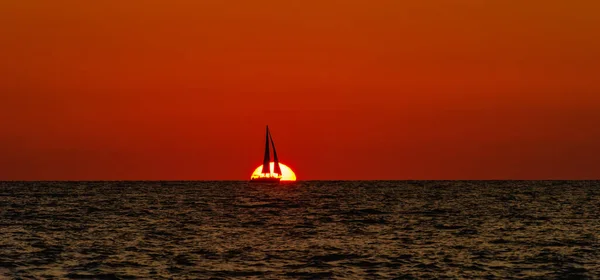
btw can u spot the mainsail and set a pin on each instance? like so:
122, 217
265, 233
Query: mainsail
266, 162
277, 167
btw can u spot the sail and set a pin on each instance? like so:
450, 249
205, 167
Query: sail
266, 162
277, 167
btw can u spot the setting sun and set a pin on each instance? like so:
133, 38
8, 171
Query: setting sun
286, 173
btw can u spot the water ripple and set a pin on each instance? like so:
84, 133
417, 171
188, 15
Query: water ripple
307, 230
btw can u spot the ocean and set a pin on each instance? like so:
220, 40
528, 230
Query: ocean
303, 230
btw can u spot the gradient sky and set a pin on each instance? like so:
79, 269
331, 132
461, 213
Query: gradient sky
107, 90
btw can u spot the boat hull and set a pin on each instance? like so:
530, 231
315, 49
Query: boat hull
266, 180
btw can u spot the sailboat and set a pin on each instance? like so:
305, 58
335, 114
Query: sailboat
266, 176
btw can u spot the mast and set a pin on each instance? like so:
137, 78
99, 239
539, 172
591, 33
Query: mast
267, 161
277, 167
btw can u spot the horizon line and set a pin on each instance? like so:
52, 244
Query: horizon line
311, 180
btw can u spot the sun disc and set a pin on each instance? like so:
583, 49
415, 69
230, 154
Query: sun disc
286, 173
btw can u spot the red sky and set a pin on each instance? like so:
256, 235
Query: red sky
110, 90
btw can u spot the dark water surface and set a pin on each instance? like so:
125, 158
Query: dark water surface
343, 230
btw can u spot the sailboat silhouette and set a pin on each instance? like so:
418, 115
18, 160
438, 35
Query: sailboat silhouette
266, 176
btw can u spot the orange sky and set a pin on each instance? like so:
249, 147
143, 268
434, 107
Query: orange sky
351, 89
